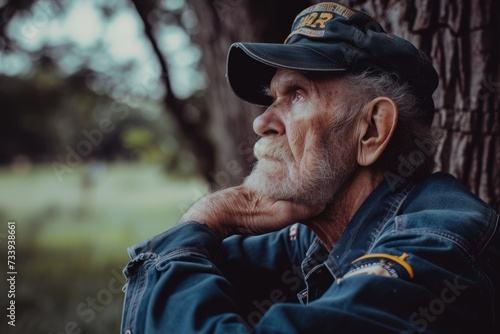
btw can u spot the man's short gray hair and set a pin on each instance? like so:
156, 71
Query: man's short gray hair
410, 153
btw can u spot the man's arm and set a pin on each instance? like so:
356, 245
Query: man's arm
174, 286
264, 269
253, 272
191, 249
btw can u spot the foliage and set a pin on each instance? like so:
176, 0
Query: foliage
72, 238
58, 88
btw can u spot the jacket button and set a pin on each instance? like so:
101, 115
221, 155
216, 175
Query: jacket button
128, 331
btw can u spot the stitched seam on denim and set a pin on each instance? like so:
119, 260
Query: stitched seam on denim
397, 201
136, 298
309, 273
310, 256
450, 237
400, 223
190, 251
488, 234
159, 235
333, 268
394, 209
176, 227
447, 236
310, 249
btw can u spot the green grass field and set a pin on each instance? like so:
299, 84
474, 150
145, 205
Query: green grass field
72, 236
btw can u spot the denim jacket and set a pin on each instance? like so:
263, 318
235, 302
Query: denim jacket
422, 258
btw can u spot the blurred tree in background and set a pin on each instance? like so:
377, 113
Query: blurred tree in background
90, 91
212, 124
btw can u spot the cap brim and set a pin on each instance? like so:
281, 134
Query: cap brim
251, 66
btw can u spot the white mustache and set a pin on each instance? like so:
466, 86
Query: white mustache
269, 148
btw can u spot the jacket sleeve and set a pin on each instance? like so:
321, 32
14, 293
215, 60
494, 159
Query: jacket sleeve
175, 286
238, 279
447, 294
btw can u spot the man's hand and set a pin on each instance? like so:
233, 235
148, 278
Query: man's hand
239, 210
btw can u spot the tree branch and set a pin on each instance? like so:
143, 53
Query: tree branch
193, 133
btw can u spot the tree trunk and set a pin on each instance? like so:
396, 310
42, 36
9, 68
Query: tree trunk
223, 22
458, 35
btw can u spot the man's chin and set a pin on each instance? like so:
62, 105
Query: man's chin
265, 182
280, 188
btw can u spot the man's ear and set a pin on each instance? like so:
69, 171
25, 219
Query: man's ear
377, 127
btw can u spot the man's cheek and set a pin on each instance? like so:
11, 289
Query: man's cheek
310, 141
297, 139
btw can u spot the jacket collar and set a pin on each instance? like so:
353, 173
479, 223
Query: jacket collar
361, 232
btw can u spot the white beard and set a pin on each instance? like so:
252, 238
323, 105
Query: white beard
317, 181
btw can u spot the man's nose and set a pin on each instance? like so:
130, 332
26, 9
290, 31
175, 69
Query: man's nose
268, 124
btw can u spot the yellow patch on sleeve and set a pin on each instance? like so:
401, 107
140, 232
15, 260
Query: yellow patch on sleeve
381, 264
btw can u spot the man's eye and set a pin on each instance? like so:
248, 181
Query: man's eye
297, 97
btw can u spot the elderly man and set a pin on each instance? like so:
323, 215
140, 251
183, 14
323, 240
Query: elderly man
341, 227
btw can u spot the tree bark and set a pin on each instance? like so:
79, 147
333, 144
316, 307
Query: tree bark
231, 118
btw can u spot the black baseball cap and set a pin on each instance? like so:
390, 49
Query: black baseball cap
332, 37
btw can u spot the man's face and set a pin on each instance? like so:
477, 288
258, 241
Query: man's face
303, 154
